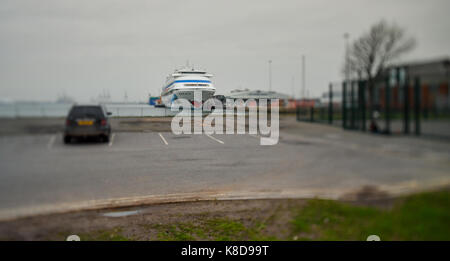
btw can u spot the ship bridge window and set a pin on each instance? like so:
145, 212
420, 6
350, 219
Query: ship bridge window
195, 84
193, 72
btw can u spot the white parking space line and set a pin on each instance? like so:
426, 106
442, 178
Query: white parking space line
163, 139
219, 141
112, 140
51, 142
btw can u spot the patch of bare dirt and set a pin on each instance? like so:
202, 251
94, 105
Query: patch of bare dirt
139, 226
369, 196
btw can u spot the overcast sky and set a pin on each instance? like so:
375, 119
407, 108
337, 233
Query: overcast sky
48, 47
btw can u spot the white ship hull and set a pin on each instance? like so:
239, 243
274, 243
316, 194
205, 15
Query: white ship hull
187, 94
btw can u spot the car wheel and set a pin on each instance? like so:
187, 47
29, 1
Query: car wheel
105, 138
67, 139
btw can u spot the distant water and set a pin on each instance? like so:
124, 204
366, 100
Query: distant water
47, 109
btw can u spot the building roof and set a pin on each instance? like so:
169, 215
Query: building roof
256, 94
422, 62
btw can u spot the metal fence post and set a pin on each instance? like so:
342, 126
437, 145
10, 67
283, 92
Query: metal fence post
330, 105
353, 107
311, 117
398, 86
362, 97
344, 101
417, 105
321, 114
406, 103
357, 106
387, 103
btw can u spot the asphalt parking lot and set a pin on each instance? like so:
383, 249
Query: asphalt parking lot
40, 174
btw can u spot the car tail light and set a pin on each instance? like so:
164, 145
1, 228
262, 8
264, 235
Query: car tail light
103, 122
68, 122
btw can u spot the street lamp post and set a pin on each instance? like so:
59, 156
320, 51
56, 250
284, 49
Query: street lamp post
303, 76
346, 83
270, 75
347, 59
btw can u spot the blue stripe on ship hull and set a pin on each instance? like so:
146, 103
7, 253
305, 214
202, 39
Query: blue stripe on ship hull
205, 81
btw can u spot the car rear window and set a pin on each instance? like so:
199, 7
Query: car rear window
86, 111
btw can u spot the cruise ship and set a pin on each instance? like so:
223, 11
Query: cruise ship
183, 82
